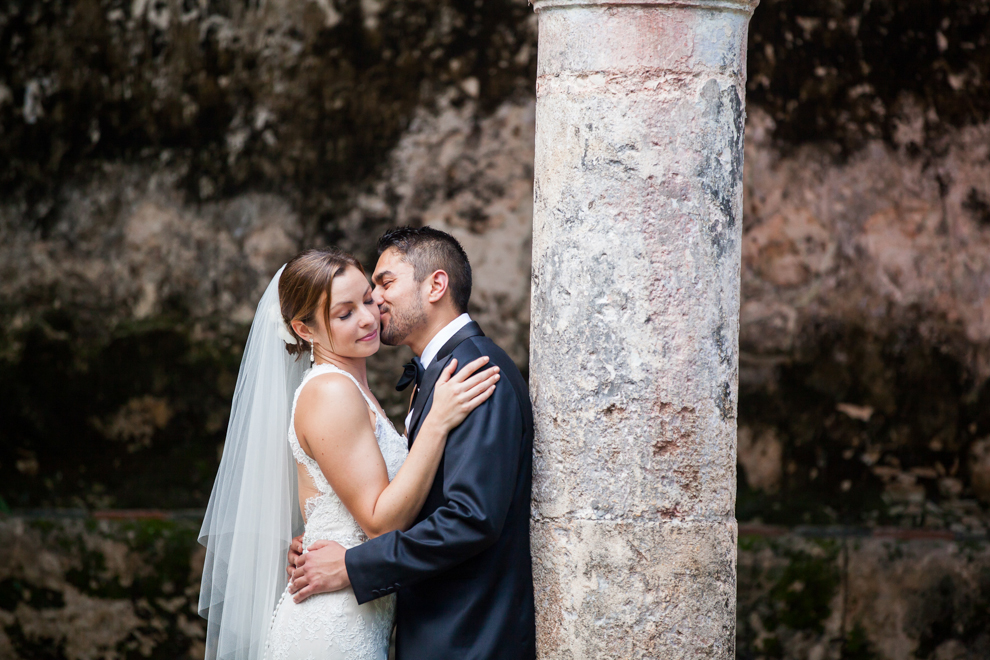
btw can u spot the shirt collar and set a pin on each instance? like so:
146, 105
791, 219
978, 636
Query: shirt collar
441, 338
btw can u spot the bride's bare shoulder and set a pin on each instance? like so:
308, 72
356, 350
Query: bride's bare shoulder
334, 395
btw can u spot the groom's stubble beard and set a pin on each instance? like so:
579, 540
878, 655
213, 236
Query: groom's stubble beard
401, 322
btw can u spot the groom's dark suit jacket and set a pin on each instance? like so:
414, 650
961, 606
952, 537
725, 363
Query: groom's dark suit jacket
463, 572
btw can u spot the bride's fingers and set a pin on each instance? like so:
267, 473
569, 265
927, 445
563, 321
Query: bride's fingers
448, 371
479, 378
298, 583
481, 398
481, 386
470, 368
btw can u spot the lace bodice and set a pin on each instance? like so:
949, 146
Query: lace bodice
326, 516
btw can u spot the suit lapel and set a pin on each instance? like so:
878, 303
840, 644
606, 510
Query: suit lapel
429, 382
433, 372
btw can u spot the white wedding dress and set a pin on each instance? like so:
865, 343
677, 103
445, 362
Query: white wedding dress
333, 626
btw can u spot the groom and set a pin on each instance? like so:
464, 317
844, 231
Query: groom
462, 573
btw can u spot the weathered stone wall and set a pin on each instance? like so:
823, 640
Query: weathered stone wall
864, 338
864, 334
160, 158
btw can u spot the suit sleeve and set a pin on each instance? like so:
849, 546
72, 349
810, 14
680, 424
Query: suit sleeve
480, 469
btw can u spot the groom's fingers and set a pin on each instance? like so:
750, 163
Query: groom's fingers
303, 594
319, 544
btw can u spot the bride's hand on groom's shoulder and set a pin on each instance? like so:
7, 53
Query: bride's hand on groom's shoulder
457, 394
320, 570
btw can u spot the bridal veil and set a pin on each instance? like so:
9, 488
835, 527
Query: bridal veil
253, 511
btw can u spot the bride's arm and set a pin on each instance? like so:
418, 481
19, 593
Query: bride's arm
333, 422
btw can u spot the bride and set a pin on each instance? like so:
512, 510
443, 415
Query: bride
312, 449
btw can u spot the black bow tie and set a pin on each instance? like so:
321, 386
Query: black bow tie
412, 372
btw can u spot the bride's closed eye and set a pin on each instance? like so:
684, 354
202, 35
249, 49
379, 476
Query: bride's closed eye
369, 301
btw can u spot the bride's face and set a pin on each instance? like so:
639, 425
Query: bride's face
354, 318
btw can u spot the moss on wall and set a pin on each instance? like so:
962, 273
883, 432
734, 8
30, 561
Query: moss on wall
861, 599
95, 589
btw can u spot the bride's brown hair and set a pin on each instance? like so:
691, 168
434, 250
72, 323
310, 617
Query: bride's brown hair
306, 277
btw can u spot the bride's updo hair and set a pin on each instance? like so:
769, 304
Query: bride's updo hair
306, 277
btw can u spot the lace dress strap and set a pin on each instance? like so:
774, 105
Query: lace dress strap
330, 369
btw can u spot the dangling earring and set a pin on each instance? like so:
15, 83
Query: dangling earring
312, 354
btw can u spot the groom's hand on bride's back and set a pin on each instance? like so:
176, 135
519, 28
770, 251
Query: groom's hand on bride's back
319, 571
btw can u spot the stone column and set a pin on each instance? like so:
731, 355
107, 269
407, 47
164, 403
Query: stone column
634, 364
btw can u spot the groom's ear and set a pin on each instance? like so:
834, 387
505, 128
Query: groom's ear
438, 286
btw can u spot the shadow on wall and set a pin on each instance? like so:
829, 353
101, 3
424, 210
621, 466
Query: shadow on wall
864, 430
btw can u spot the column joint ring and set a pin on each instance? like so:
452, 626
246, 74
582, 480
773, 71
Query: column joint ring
738, 6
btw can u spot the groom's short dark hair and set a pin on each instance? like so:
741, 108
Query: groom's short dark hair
430, 250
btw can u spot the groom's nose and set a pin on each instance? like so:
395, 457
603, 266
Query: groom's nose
376, 295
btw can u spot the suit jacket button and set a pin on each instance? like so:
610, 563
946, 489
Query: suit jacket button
375, 593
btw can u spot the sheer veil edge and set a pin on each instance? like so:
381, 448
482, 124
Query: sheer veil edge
253, 511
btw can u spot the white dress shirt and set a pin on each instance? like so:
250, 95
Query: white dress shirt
431, 350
